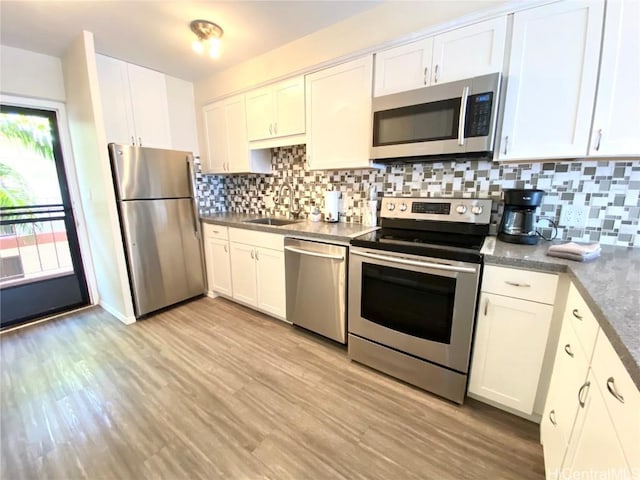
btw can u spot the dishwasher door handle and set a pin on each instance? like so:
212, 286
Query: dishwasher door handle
314, 254
415, 263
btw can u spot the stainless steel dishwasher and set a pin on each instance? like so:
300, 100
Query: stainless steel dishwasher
316, 279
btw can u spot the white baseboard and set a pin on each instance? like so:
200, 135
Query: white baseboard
126, 319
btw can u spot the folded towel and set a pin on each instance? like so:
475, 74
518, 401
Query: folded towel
580, 252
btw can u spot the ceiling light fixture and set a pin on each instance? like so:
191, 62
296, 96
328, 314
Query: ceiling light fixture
209, 35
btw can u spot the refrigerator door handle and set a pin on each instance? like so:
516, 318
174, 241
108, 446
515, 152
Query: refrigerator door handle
191, 178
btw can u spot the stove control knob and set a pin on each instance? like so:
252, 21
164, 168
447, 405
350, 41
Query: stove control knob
391, 206
403, 207
461, 209
476, 209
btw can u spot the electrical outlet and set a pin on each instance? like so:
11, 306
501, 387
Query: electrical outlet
573, 216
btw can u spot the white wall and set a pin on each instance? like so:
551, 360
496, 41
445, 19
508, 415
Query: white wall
86, 125
29, 74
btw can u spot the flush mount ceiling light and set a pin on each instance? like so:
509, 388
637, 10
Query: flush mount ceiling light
209, 35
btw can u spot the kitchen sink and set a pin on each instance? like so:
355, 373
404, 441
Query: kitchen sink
276, 222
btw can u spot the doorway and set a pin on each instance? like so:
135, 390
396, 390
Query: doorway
41, 270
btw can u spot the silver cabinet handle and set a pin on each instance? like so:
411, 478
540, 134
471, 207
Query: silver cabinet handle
275, 128
140, 141
414, 263
426, 71
576, 314
598, 140
225, 249
252, 255
435, 74
257, 258
567, 348
314, 254
463, 115
133, 140
506, 143
515, 284
552, 417
584, 388
270, 129
486, 307
612, 390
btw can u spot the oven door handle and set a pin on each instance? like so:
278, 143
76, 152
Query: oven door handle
415, 263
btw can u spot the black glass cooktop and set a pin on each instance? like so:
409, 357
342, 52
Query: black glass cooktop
453, 246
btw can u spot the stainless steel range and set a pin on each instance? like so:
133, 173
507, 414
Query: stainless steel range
413, 290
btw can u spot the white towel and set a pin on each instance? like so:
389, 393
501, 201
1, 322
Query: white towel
580, 252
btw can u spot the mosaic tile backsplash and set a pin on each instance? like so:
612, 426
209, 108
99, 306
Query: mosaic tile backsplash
610, 190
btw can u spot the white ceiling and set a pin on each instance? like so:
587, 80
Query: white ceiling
156, 34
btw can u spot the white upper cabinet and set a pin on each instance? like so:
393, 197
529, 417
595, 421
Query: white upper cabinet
616, 122
552, 80
134, 102
227, 147
403, 68
277, 110
182, 115
469, 51
339, 116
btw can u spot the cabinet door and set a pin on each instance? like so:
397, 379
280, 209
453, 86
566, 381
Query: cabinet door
511, 338
116, 100
569, 373
271, 282
469, 51
339, 116
552, 79
288, 100
403, 68
237, 143
150, 107
595, 450
182, 115
260, 113
243, 273
616, 123
218, 265
215, 132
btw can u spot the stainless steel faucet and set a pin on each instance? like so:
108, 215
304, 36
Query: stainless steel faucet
293, 212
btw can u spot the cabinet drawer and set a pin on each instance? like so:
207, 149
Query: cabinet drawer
215, 231
584, 323
524, 284
621, 397
273, 241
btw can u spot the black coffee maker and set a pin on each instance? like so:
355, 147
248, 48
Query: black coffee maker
518, 223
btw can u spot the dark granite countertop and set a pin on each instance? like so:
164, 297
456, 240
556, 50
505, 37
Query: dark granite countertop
609, 284
329, 232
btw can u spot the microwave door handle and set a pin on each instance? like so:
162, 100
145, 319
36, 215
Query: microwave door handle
463, 115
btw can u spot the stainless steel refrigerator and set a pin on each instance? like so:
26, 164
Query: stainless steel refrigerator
160, 225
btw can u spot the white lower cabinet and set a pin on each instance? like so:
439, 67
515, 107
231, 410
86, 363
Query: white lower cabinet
257, 270
217, 259
591, 424
515, 312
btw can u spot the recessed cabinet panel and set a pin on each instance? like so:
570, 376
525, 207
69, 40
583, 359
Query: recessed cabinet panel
616, 122
215, 131
403, 68
260, 113
243, 273
288, 97
551, 80
116, 100
271, 281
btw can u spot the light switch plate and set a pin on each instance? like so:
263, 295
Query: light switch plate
573, 216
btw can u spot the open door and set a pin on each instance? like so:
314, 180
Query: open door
41, 269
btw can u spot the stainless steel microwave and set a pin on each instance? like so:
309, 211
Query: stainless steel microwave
456, 118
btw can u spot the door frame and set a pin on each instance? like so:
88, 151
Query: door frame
69, 165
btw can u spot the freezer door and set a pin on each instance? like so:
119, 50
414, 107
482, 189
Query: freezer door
164, 252
148, 173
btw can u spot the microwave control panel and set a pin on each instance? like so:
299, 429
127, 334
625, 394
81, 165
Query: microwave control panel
479, 108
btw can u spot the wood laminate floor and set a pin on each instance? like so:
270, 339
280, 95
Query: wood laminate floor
215, 390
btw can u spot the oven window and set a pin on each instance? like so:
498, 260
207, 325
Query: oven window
418, 304
417, 123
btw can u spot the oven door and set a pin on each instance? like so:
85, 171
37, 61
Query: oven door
418, 305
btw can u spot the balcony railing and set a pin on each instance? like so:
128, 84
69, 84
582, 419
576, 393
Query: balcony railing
33, 244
